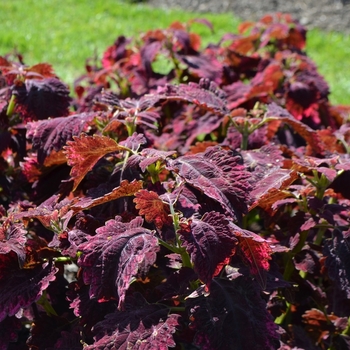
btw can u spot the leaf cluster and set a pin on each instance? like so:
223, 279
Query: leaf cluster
184, 198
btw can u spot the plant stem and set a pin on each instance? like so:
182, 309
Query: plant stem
11, 106
245, 135
320, 234
62, 259
177, 309
280, 319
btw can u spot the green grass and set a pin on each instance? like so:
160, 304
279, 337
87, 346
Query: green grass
66, 32
331, 52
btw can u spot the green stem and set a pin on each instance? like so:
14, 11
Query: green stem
154, 170
346, 331
280, 319
186, 261
130, 127
177, 309
169, 246
319, 236
11, 106
124, 165
62, 259
43, 301
245, 136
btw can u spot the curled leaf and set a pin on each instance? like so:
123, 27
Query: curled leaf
125, 189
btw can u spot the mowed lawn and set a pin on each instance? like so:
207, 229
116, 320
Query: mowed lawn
67, 32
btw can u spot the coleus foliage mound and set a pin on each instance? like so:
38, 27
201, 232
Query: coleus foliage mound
186, 198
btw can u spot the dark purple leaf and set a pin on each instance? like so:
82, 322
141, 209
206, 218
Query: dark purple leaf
151, 155
12, 238
340, 184
9, 329
311, 137
307, 261
141, 326
179, 281
20, 288
183, 199
234, 314
131, 110
219, 175
210, 242
342, 342
263, 161
202, 66
237, 94
117, 254
134, 142
53, 134
203, 124
68, 341
67, 242
42, 99
206, 94
53, 326
89, 311
337, 251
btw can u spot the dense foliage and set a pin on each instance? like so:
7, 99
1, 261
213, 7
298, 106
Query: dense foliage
184, 198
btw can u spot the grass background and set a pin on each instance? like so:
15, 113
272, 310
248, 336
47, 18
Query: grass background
65, 33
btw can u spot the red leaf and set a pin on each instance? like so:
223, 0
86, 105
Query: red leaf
153, 208
256, 251
84, 152
124, 190
270, 189
44, 69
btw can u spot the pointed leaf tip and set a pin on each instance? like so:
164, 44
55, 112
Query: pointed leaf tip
84, 152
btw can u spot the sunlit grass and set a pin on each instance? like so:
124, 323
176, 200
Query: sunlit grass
66, 32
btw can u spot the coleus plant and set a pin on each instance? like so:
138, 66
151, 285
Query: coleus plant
189, 198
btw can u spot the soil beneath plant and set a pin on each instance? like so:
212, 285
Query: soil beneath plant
329, 15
